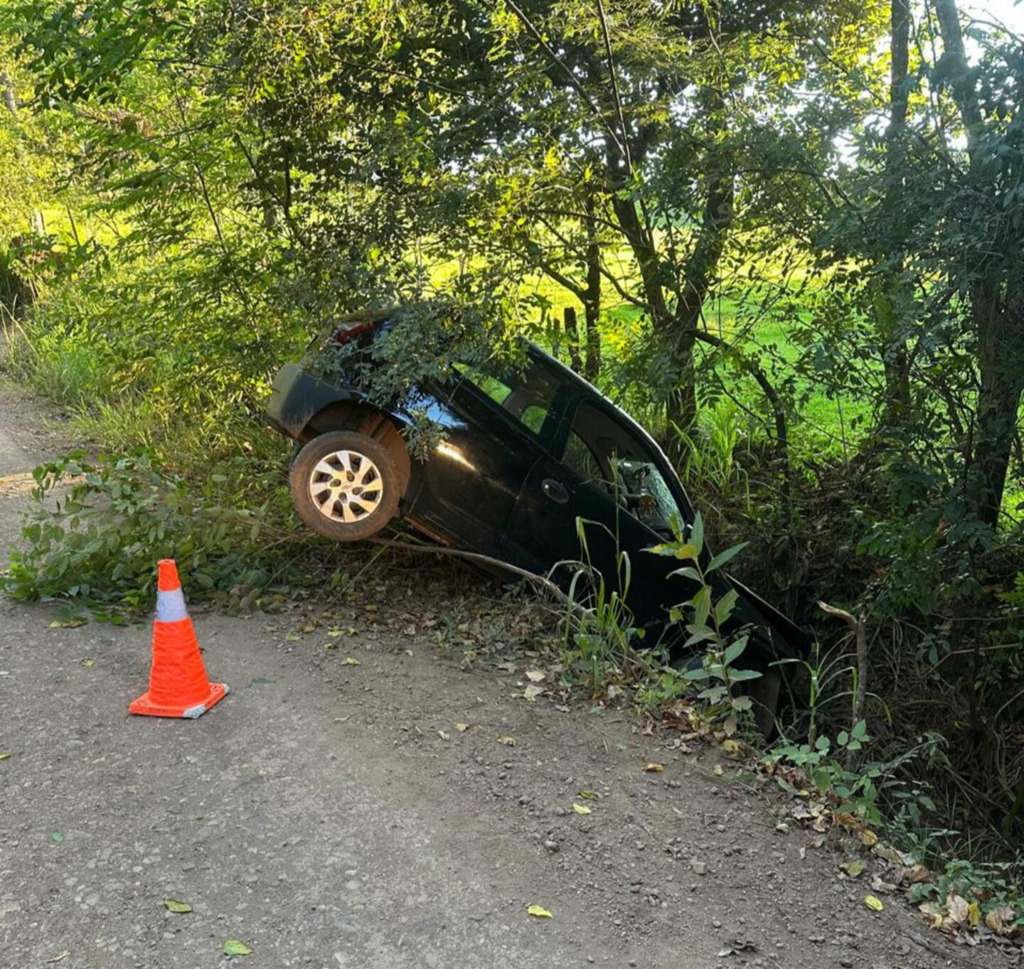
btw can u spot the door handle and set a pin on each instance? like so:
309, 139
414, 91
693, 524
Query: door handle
554, 490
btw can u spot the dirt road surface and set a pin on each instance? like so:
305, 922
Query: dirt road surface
333, 816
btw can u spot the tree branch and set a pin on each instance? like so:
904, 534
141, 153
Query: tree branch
539, 581
552, 54
615, 87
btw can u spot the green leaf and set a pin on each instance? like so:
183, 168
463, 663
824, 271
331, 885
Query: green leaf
699, 634
697, 533
701, 603
235, 948
687, 572
722, 557
179, 908
739, 676
725, 606
735, 650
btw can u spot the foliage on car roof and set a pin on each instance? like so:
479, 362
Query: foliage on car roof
426, 339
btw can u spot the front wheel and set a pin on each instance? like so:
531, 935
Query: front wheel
345, 485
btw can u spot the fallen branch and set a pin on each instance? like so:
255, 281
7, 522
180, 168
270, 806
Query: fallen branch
540, 581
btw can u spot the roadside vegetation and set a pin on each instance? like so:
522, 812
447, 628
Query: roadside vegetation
788, 238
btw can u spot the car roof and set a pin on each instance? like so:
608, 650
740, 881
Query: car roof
567, 373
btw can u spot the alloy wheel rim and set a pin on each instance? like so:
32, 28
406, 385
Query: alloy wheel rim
346, 486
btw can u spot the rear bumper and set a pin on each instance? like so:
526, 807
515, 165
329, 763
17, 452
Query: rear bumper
283, 412
296, 396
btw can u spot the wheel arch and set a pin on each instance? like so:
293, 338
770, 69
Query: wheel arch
353, 414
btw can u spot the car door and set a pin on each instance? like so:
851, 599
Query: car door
496, 424
594, 478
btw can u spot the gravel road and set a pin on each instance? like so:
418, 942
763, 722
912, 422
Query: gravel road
332, 815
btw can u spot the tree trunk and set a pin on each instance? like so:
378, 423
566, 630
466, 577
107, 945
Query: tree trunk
681, 405
9, 99
699, 276
572, 337
997, 310
963, 83
895, 360
11, 103
1001, 369
592, 316
592, 296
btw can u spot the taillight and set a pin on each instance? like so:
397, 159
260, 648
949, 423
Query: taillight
352, 331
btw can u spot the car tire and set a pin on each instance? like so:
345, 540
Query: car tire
345, 485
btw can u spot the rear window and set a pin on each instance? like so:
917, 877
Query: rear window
526, 395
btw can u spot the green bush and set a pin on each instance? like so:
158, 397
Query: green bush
96, 531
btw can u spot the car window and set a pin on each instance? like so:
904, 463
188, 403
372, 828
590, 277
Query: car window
610, 457
581, 459
526, 395
494, 388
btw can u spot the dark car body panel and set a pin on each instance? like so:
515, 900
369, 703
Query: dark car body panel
504, 489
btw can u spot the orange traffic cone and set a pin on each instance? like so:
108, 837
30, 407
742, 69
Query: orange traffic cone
178, 686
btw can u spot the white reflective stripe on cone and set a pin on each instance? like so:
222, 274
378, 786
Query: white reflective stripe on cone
170, 606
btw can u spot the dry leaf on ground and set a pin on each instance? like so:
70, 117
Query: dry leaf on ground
1000, 920
957, 908
918, 874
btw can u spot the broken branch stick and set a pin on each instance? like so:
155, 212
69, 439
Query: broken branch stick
539, 581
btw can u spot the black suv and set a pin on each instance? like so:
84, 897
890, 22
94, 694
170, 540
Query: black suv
525, 454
